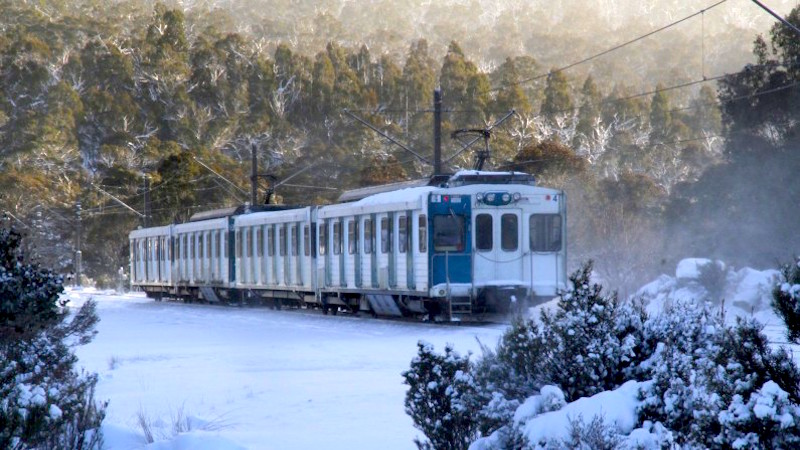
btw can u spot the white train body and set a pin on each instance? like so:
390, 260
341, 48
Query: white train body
477, 245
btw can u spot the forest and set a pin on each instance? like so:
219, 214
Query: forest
682, 144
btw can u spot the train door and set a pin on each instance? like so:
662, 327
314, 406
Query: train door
401, 256
547, 253
498, 245
304, 255
294, 253
386, 275
258, 269
419, 269
353, 261
450, 255
281, 259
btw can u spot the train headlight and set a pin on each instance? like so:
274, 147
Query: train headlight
490, 197
506, 198
479, 197
517, 196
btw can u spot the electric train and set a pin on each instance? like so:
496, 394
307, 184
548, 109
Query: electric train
472, 244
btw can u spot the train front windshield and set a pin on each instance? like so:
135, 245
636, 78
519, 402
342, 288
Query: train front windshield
448, 233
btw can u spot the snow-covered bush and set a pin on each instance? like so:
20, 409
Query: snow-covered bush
713, 276
438, 398
44, 402
591, 343
786, 299
596, 339
706, 379
510, 373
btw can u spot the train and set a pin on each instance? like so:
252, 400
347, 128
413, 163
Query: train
467, 245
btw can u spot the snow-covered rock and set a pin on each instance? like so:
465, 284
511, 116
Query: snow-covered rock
689, 268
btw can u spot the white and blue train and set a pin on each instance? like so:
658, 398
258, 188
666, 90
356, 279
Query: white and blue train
478, 243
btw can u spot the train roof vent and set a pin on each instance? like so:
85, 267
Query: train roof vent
357, 194
464, 177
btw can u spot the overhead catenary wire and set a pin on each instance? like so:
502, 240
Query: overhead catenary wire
614, 48
777, 16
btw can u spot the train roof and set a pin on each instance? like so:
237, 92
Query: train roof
361, 193
460, 178
238, 210
465, 177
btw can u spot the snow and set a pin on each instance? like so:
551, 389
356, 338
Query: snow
617, 407
255, 378
746, 292
689, 268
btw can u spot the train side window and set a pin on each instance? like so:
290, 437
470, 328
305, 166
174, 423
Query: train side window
509, 232
306, 241
191, 246
239, 243
323, 237
295, 242
545, 232
402, 234
386, 235
337, 237
282, 239
423, 233
270, 240
352, 236
368, 236
260, 242
448, 233
200, 246
217, 243
483, 232
184, 253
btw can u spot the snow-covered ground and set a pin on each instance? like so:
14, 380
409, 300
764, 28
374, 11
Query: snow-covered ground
255, 378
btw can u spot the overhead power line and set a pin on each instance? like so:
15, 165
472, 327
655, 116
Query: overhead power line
615, 48
775, 15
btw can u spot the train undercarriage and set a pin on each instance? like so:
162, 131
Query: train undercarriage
489, 303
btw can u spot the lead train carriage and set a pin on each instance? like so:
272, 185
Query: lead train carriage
481, 243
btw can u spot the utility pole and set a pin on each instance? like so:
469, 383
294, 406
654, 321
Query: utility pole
146, 200
253, 175
78, 253
437, 132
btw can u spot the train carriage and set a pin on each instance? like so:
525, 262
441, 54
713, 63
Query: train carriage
479, 243
374, 248
200, 255
495, 244
273, 254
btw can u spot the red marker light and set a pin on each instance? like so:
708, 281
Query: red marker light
447, 198
547, 198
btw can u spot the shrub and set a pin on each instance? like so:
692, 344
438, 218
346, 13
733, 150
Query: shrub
786, 300
596, 338
438, 398
713, 276
709, 379
44, 402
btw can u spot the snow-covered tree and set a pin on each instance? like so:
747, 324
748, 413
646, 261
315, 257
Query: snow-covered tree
439, 389
716, 386
786, 299
44, 402
595, 338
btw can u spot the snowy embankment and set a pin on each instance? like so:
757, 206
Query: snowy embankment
745, 292
206, 377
